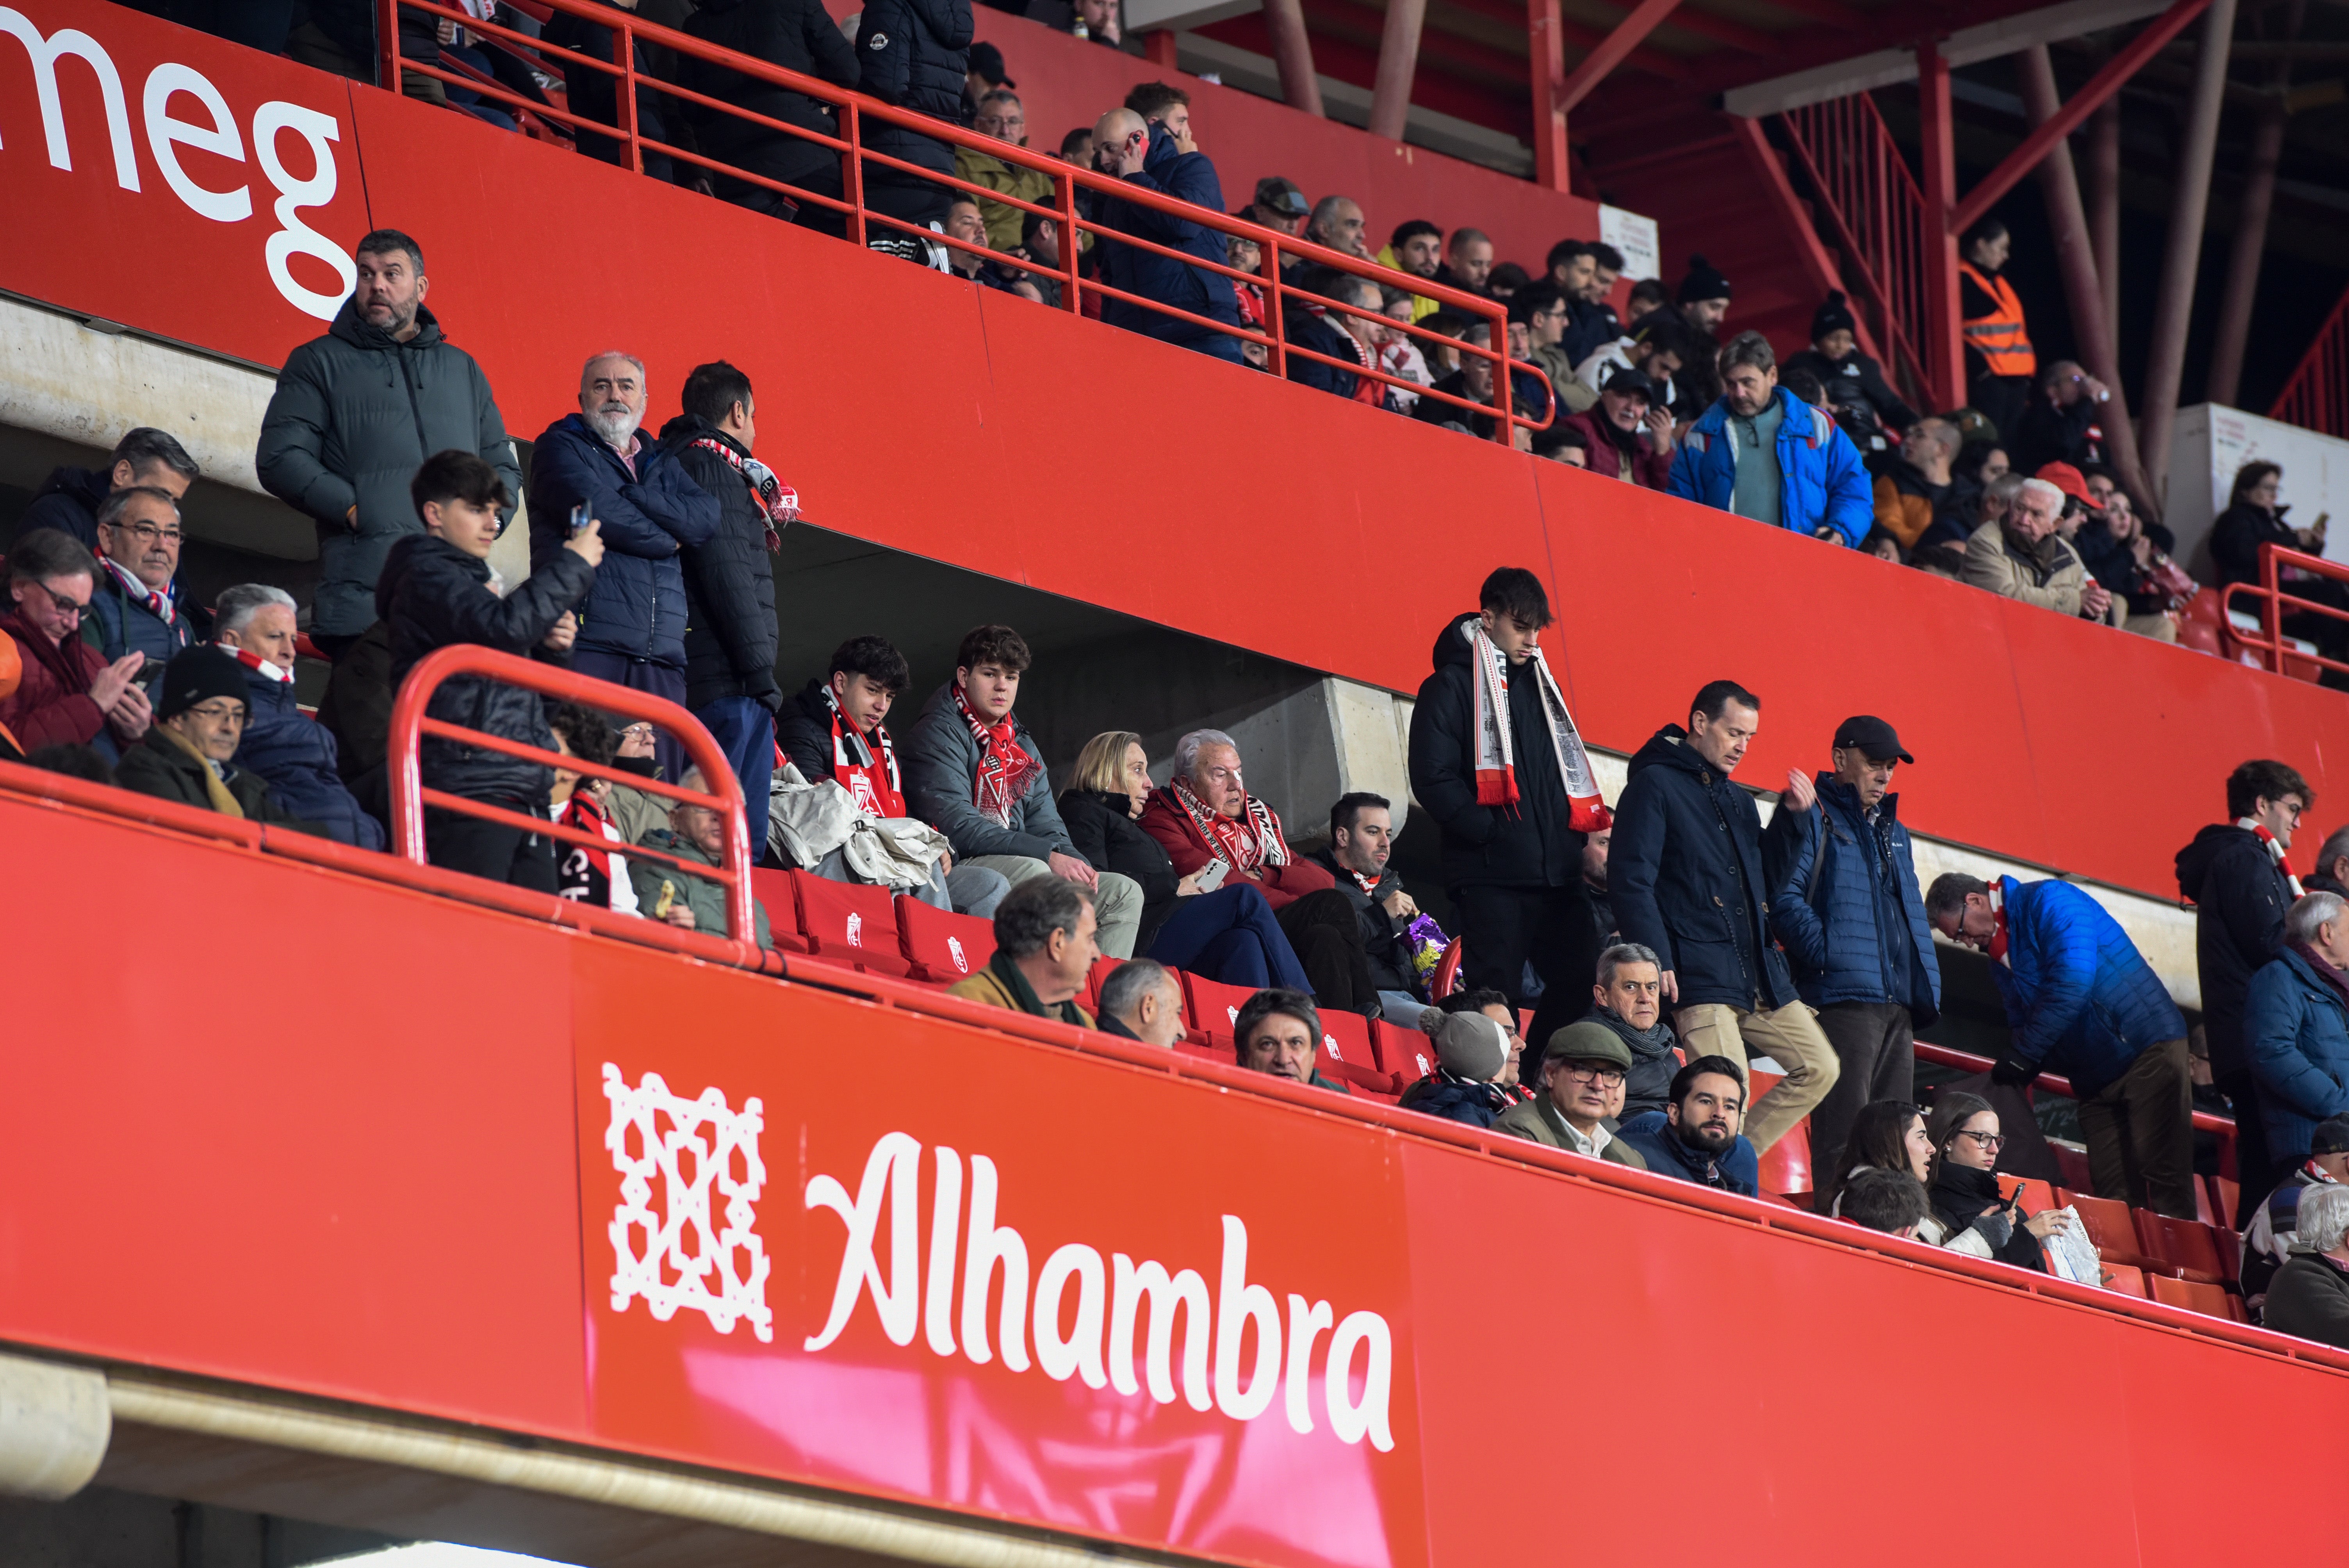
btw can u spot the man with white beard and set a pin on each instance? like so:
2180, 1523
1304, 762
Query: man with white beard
599, 464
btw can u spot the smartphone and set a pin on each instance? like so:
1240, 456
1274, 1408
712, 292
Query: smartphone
579, 519
1211, 876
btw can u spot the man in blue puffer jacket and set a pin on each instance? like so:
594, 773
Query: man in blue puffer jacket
293, 751
1845, 902
1815, 483
2296, 1028
2081, 1001
632, 624
1147, 157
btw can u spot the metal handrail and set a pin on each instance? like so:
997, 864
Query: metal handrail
1876, 212
857, 110
2054, 1083
2316, 396
2274, 602
409, 796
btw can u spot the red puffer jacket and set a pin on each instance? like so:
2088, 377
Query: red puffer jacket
1644, 466
1166, 820
51, 703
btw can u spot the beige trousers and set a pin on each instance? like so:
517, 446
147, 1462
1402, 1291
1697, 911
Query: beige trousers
1789, 1035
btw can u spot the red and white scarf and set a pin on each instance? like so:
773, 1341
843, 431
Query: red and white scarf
1005, 768
2275, 851
159, 605
590, 875
1496, 764
1998, 930
1246, 842
874, 787
778, 503
254, 661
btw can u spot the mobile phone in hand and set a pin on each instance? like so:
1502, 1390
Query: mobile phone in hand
1211, 876
579, 520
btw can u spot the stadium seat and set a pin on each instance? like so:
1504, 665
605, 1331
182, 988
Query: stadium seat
2204, 1210
1346, 1037
943, 946
1448, 971
1402, 1051
2210, 1300
2111, 1229
1213, 1008
852, 924
2226, 1196
2201, 1251
773, 889
1090, 997
2073, 1164
2125, 1279
1786, 1164
2037, 1196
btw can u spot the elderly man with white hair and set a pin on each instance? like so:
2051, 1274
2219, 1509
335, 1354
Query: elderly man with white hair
2296, 1028
597, 463
2023, 556
254, 623
2310, 1297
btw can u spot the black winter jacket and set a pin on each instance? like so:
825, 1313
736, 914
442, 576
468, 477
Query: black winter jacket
637, 608
1190, 177
1526, 845
803, 729
913, 55
1110, 840
1685, 868
2052, 434
798, 35
729, 582
594, 95
69, 503
297, 755
2236, 538
1648, 1086
1323, 336
1382, 933
1858, 370
433, 594
355, 415
2240, 899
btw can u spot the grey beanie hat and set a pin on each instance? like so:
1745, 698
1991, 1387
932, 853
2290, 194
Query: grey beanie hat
1471, 1045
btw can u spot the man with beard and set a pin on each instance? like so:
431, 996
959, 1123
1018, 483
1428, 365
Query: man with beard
1362, 841
1695, 1137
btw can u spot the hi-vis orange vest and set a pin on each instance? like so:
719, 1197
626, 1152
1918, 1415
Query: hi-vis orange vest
1999, 337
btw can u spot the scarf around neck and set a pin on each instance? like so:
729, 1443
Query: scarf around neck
2269, 841
1496, 767
215, 786
1005, 768
1251, 840
876, 790
778, 504
254, 661
159, 603
1998, 936
2325, 971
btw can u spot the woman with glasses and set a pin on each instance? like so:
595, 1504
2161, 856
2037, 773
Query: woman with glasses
1885, 1135
1968, 1213
68, 692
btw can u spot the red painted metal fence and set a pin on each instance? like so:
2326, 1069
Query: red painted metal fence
2274, 600
1874, 211
2317, 396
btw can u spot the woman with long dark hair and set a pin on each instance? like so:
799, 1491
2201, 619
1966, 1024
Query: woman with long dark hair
2254, 518
1887, 1135
1970, 1214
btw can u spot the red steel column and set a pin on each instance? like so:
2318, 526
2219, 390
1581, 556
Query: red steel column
1545, 55
1398, 64
1945, 359
1158, 47
2191, 193
1292, 52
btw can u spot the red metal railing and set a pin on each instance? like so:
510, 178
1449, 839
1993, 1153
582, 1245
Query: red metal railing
2317, 396
410, 797
2275, 600
1965, 1061
1875, 212
854, 112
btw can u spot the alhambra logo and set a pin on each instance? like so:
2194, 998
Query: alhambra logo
685, 1259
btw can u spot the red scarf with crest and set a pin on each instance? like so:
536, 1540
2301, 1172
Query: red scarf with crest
1005, 768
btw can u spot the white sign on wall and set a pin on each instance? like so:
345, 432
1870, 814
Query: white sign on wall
1634, 236
2213, 441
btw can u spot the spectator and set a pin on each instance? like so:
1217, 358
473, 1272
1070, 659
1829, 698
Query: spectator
2060, 425
1834, 356
1361, 843
1148, 158
436, 590
2270, 1236
292, 753
963, 223
1399, 352
2310, 1296
1039, 241
1695, 1137
1594, 882
1505, 280
1473, 380
1468, 262
729, 585
1226, 933
632, 624
2254, 519
975, 773
1278, 205
798, 35
983, 72
1573, 265
1690, 887
675, 894
1142, 1001
1845, 904
1971, 1215
12, 676
1541, 309
1001, 116
67, 694
184, 755
1278, 1032
1340, 336
1098, 20
2120, 551
2296, 1031
1892, 1201
2235, 875
2106, 495
595, 96
136, 607
1761, 453
1162, 103
1885, 1135
2022, 557
636, 813
1996, 500
1647, 295
913, 55
1629, 434
1337, 224
1977, 464
1515, 799
587, 875
1417, 248
1917, 495
1580, 1068
1475, 1062
2081, 1001
1606, 267
145, 458
2332, 874
2000, 362
1660, 346
1701, 304
375, 397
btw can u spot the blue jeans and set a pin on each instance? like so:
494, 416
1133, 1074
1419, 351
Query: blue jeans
1231, 937
745, 731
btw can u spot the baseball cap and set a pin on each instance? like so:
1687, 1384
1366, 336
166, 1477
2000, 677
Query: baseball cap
2330, 1136
986, 60
1873, 736
1275, 193
2070, 481
1631, 379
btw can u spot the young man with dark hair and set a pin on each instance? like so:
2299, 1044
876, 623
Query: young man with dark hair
145, 456
2235, 876
975, 773
1496, 761
1695, 1137
1362, 841
1416, 247
1044, 952
1168, 105
729, 582
1542, 309
1468, 262
434, 590
1887, 1201
1686, 870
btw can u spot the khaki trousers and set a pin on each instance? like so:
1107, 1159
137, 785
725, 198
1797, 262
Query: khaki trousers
1789, 1035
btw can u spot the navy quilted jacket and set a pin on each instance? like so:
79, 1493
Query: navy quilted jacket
2080, 999
637, 608
2297, 1032
1844, 900
297, 755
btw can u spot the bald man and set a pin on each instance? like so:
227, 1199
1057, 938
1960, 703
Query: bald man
1144, 155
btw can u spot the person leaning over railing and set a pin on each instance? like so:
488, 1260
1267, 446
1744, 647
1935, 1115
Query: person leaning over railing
1145, 155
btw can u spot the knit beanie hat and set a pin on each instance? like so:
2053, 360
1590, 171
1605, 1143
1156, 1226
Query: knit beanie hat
1835, 315
1471, 1045
1705, 281
199, 675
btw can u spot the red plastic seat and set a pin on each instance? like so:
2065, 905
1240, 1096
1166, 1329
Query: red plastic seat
1406, 1053
2210, 1300
2125, 1279
1786, 1164
2204, 1210
1346, 1037
2113, 1232
2073, 1164
853, 923
1448, 971
1213, 1008
2038, 1197
2226, 1196
2201, 1252
773, 889
943, 946
1090, 997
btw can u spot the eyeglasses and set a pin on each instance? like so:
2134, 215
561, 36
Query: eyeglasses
148, 533
223, 711
72, 609
1605, 1076
1989, 1142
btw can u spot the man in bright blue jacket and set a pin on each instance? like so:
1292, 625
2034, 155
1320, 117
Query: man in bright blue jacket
1764, 453
2081, 1001
1147, 157
632, 624
2296, 1028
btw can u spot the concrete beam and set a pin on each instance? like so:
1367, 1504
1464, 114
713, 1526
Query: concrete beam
1350, 105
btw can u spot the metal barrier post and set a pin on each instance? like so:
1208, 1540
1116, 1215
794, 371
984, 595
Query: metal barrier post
626, 40
387, 45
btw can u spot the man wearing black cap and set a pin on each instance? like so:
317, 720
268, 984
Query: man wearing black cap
1845, 902
1703, 302
1629, 432
200, 712
1834, 357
